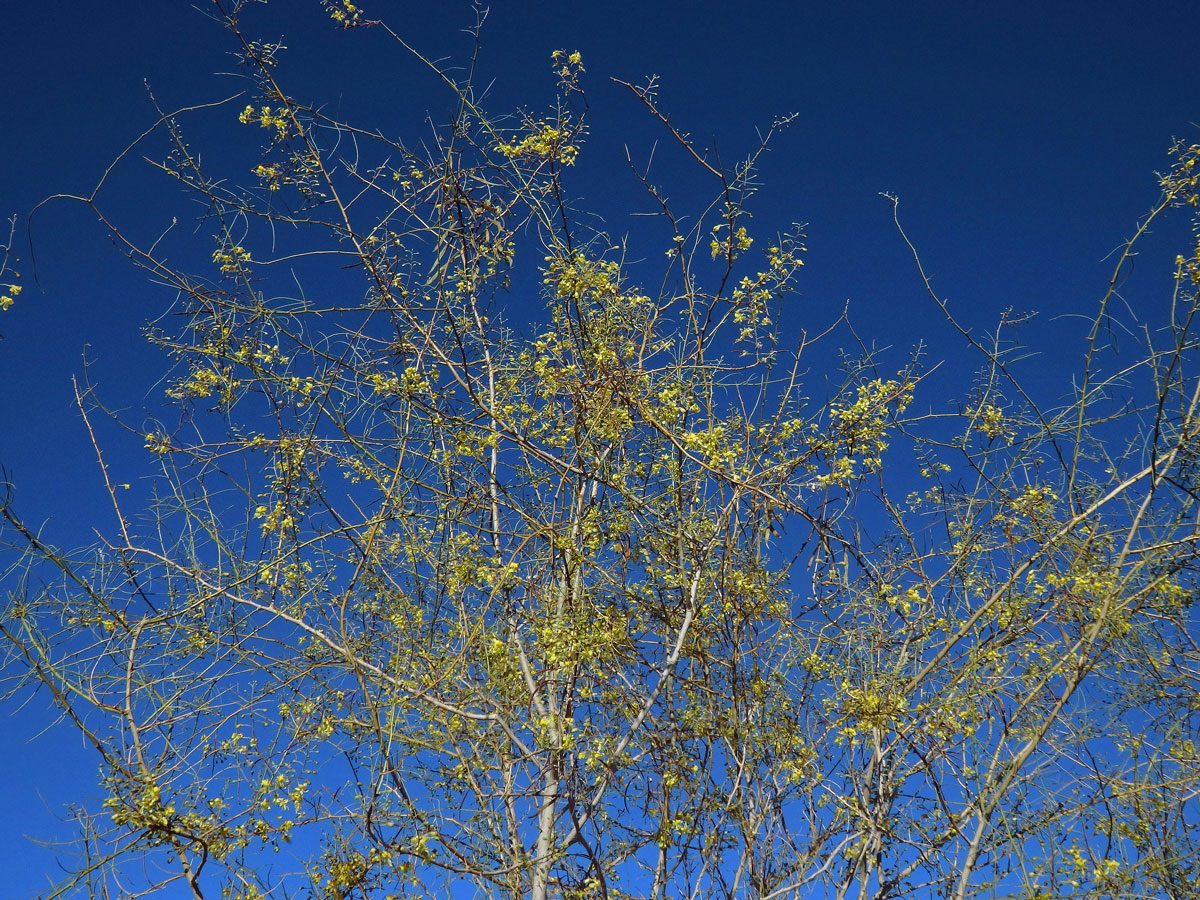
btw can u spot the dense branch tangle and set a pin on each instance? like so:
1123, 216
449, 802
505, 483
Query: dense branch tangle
437, 603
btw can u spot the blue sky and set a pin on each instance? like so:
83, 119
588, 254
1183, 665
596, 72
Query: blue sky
1021, 138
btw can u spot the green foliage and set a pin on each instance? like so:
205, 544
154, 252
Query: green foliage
427, 604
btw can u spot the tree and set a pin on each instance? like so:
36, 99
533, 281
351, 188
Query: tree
430, 605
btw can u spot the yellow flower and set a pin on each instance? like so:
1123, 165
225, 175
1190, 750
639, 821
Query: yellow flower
6, 299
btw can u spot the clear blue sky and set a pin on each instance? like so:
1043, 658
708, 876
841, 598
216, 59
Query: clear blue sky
1020, 136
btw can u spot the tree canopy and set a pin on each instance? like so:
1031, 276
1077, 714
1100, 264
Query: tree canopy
626, 601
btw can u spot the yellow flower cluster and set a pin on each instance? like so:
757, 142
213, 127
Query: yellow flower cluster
542, 143
861, 428
754, 294
232, 260
1035, 502
410, 382
204, 383
142, 811
267, 118
6, 298
578, 278
730, 245
990, 420
870, 707
1182, 183
406, 178
275, 518
345, 13
1182, 187
157, 442
269, 173
568, 66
